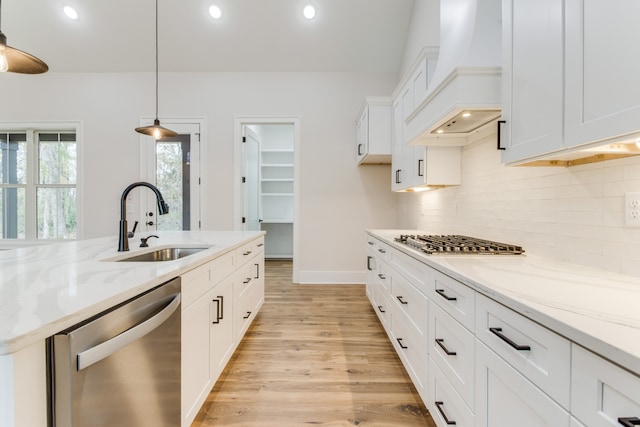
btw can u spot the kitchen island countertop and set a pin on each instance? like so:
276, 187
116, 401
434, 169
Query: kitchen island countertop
593, 308
46, 289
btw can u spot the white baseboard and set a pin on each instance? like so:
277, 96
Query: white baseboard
331, 277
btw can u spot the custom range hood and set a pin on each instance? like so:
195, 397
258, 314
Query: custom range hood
463, 96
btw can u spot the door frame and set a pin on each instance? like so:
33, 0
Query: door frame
238, 207
195, 127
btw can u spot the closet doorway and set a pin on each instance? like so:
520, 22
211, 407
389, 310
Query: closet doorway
268, 182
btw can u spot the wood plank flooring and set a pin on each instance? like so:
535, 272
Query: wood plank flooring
315, 355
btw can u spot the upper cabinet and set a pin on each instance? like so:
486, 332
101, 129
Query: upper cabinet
602, 68
373, 131
569, 81
532, 78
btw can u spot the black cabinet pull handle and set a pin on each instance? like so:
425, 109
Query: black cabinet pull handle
400, 342
499, 334
257, 271
420, 167
371, 243
219, 309
440, 342
382, 276
247, 316
629, 421
439, 405
359, 152
399, 298
260, 245
380, 309
445, 296
248, 279
500, 147
382, 251
398, 176
369, 259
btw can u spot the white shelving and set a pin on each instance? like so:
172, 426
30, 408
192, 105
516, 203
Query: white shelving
276, 200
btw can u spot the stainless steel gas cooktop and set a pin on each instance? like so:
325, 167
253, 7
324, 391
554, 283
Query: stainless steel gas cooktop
454, 244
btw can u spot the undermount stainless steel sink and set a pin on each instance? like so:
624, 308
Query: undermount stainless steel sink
165, 254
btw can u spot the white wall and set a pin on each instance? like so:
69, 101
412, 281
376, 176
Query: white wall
338, 199
572, 214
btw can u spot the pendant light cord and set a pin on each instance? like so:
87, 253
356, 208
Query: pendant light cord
156, 59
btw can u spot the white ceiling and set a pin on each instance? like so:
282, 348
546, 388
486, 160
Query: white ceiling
252, 35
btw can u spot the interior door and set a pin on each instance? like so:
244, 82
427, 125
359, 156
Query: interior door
172, 164
251, 179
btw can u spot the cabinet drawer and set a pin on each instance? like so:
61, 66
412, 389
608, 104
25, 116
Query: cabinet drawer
444, 404
222, 267
505, 398
245, 278
452, 348
383, 308
383, 251
411, 302
602, 392
383, 276
412, 350
412, 270
243, 313
247, 251
455, 298
541, 355
195, 283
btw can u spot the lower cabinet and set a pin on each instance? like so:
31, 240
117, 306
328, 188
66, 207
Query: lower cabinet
505, 398
477, 363
216, 299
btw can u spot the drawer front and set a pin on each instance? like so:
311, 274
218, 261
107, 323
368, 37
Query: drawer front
383, 308
541, 355
383, 251
412, 270
505, 398
602, 392
452, 348
455, 298
243, 313
383, 276
247, 251
244, 279
412, 350
445, 405
195, 283
411, 302
222, 267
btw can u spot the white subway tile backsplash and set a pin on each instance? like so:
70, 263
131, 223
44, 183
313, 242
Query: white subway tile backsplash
572, 214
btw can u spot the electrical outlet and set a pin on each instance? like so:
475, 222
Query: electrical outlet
632, 209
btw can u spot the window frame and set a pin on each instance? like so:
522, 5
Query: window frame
32, 184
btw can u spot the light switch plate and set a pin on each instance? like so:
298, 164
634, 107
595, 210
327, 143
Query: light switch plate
632, 209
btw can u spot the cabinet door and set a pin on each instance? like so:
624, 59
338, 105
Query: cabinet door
603, 393
506, 399
221, 326
532, 78
362, 135
196, 368
602, 69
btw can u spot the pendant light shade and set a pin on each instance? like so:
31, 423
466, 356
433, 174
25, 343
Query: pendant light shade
156, 130
17, 61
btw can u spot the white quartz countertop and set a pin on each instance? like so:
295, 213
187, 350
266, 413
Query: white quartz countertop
46, 289
594, 308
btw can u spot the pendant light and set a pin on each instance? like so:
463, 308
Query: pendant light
17, 61
156, 130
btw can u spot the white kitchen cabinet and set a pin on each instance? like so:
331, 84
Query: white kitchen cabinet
445, 405
541, 355
602, 93
532, 78
373, 131
212, 296
505, 398
603, 394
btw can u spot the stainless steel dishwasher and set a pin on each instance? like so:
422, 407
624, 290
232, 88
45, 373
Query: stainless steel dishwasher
121, 367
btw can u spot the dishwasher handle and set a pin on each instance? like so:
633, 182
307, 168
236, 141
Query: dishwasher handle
107, 348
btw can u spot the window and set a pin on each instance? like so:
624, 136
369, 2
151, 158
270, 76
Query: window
38, 184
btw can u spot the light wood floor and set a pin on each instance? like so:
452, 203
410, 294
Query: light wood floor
315, 355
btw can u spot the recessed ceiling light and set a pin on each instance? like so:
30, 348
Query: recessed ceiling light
309, 11
215, 12
70, 12
439, 131
466, 114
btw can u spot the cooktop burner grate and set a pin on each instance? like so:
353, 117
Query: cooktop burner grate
453, 244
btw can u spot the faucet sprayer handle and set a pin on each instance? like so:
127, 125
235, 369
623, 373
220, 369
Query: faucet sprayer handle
133, 231
163, 207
